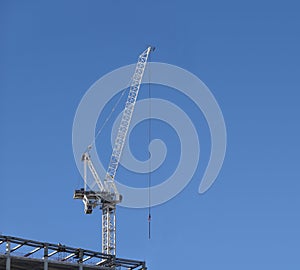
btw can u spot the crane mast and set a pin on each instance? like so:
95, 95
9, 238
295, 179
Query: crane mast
107, 195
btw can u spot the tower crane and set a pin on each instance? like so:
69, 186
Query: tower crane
107, 195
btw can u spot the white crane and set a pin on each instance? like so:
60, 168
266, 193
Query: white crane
108, 196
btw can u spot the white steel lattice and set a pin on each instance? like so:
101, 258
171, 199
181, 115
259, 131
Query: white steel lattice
108, 196
108, 229
125, 121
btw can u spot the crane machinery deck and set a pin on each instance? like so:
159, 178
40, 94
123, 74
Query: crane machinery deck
107, 195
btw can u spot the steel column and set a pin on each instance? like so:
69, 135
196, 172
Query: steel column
46, 257
8, 255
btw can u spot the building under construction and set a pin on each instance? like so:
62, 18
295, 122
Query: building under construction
23, 254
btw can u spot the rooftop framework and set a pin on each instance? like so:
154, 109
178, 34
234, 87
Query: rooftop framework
20, 254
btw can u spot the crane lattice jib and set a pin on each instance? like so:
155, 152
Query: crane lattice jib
125, 121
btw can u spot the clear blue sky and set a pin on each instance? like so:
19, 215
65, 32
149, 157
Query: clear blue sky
247, 52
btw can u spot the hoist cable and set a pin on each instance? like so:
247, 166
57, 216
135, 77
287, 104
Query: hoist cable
150, 167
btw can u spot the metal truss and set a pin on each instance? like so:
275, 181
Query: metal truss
108, 228
126, 118
108, 196
18, 254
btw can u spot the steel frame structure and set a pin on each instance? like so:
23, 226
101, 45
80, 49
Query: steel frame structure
40, 256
